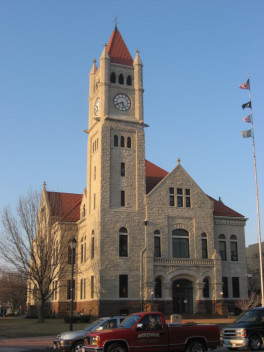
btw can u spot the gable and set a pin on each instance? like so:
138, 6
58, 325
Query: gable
65, 206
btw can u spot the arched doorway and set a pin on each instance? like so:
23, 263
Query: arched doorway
182, 293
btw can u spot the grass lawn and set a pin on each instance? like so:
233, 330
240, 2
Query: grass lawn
17, 327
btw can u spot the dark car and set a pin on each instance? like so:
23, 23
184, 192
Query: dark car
72, 341
247, 331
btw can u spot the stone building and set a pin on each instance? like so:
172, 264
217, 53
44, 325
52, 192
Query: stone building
145, 236
253, 267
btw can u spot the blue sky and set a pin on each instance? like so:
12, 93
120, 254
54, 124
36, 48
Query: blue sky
195, 56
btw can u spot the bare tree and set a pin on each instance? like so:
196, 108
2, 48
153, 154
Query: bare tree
13, 289
252, 301
30, 244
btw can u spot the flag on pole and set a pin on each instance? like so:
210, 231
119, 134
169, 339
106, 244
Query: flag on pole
245, 85
246, 134
246, 105
247, 118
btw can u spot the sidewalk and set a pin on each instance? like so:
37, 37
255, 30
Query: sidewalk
42, 343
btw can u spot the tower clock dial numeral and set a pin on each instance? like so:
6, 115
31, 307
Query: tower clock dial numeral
97, 106
122, 102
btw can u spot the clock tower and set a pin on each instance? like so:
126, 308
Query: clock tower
116, 185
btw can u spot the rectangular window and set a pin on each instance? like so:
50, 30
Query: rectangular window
94, 200
235, 287
234, 256
84, 288
187, 198
157, 252
225, 286
180, 247
122, 198
222, 250
70, 289
81, 289
122, 169
123, 252
92, 286
123, 286
82, 253
171, 191
92, 247
179, 198
204, 248
71, 252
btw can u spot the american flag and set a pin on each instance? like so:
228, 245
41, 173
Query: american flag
245, 85
247, 118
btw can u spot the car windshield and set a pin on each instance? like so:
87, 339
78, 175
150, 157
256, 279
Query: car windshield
250, 316
93, 325
130, 321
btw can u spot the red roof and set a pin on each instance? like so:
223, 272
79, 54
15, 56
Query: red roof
154, 175
66, 206
222, 210
117, 50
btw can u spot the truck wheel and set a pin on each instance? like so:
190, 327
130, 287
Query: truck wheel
116, 347
195, 346
254, 343
77, 347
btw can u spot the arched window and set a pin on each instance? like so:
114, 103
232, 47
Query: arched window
129, 80
115, 140
122, 141
233, 248
123, 242
222, 246
121, 79
157, 251
204, 245
82, 250
180, 243
128, 142
206, 292
113, 77
83, 211
158, 288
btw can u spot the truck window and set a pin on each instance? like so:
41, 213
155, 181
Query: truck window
151, 322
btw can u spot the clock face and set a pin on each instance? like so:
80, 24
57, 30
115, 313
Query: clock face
97, 106
122, 102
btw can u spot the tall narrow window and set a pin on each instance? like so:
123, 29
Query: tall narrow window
204, 246
180, 243
123, 286
81, 289
83, 212
71, 252
222, 247
92, 286
122, 169
187, 198
158, 288
121, 79
128, 142
94, 173
84, 288
113, 77
94, 200
123, 198
70, 291
122, 141
123, 242
206, 288
171, 191
92, 245
82, 250
157, 251
225, 286
233, 247
235, 287
129, 80
179, 198
115, 140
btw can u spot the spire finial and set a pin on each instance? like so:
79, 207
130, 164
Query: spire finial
178, 161
44, 185
115, 22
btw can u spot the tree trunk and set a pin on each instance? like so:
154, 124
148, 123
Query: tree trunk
41, 305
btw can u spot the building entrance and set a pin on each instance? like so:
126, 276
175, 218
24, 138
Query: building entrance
182, 293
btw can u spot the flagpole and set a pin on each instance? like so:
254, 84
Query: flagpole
257, 199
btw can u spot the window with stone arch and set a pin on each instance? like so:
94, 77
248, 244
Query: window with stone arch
122, 141
121, 78
128, 142
180, 243
233, 248
115, 140
123, 242
206, 288
82, 250
129, 80
158, 288
113, 77
92, 245
204, 245
222, 246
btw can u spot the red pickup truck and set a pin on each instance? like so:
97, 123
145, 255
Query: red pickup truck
148, 331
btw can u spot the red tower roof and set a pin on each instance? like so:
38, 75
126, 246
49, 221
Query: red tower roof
117, 50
